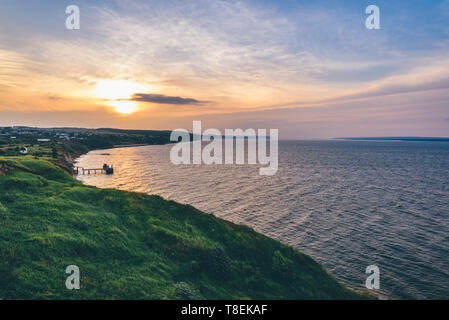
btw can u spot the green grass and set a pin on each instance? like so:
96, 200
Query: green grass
136, 246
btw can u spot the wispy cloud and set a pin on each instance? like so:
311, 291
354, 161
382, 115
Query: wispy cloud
236, 55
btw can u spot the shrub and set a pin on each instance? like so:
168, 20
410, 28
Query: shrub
282, 266
217, 263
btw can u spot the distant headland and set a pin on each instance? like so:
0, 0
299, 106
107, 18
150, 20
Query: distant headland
438, 139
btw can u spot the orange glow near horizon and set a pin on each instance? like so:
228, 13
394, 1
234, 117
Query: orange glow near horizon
123, 106
117, 92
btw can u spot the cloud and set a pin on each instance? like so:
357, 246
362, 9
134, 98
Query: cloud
321, 65
163, 99
433, 78
398, 88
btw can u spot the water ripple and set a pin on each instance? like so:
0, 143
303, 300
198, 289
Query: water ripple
348, 204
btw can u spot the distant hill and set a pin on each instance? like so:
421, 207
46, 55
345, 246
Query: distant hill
115, 131
136, 246
397, 138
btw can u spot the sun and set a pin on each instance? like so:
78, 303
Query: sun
117, 92
123, 106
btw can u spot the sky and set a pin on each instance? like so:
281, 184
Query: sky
308, 68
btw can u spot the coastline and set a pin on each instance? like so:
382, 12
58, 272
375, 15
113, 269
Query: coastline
190, 204
196, 248
160, 248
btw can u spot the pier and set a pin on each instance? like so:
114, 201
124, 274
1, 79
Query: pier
105, 170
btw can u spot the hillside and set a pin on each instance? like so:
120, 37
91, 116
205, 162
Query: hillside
135, 246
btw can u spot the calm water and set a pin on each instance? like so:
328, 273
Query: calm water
348, 204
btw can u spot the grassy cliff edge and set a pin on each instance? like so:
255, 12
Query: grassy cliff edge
136, 246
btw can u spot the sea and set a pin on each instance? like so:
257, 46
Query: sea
347, 204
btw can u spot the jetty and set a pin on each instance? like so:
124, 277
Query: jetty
105, 170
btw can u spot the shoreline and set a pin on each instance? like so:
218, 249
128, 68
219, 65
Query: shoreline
71, 157
378, 296
149, 244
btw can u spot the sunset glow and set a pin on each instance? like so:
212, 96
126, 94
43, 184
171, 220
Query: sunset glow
116, 94
224, 150
123, 106
294, 65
